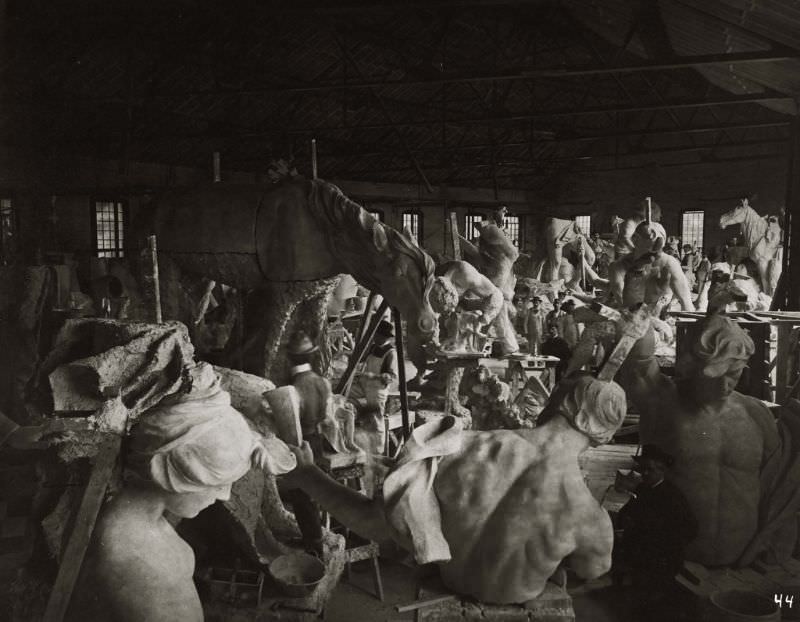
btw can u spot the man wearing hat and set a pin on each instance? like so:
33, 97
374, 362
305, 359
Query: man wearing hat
315, 396
657, 524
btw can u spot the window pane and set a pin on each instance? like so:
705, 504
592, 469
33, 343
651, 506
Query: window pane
109, 228
413, 220
692, 224
470, 232
512, 229
584, 224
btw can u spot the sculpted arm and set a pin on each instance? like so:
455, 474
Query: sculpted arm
616, 284
680, 287
356, 511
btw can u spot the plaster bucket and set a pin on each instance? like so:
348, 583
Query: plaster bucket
743, 606
297, 573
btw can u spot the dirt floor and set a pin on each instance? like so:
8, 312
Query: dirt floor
596, 601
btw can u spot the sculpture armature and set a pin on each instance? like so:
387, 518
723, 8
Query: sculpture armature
505, 508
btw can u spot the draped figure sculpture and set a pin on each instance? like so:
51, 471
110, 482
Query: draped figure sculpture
184, 455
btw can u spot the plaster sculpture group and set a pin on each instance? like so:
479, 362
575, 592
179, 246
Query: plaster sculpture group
498, 510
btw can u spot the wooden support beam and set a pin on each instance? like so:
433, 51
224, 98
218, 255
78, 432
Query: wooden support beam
401, 372
791, 239
520, 73
80, 537
361, 348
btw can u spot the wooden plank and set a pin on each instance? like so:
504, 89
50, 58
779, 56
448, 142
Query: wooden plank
82, 531
454, 236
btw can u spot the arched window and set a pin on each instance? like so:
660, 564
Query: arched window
412, 219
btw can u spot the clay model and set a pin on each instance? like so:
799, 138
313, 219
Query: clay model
460, 286
290, 241
647, 274
762, 236
548, 261
629, 220
734, 462
185, 454
505, 508
494, 256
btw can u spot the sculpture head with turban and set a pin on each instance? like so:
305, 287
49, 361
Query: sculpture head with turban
717, 354
648, 237
193, 447
593, 407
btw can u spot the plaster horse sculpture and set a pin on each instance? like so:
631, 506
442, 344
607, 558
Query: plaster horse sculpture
291, 241
762, 236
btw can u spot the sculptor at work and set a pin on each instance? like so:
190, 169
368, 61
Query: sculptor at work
505, 507
733, 459
184, 455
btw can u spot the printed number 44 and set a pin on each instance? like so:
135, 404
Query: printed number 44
780, 599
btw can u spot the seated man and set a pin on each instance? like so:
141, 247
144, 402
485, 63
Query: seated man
501, 509
734, 463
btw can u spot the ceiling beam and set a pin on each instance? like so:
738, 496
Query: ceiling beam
521, 73
757, 98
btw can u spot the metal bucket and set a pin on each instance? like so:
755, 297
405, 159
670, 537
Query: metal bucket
297, 573
743, 606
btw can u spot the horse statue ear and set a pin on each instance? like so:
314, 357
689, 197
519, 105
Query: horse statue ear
379, 238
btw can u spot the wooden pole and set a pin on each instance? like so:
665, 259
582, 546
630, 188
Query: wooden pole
454, 236
365, 317
151, 278
82, 531
314, 158
789, 288
401, 372
361, 348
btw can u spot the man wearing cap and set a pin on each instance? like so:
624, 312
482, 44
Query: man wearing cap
657, 524
497, 510
734, 462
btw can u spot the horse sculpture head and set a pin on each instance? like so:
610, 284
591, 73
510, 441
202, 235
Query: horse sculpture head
405, 282
736, 216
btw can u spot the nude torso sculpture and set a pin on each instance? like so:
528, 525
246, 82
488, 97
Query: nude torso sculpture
507, 507
720, 438
512, 541
647, 274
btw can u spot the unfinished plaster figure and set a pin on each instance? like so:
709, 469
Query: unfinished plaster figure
734, 463
762, 236
494, 256
505, 507
184, 456
646, 275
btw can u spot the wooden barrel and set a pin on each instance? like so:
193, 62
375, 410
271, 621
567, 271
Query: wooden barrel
743, 606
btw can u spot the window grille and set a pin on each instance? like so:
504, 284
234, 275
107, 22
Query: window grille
692, 225
109, 228
413, 220
584, 224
